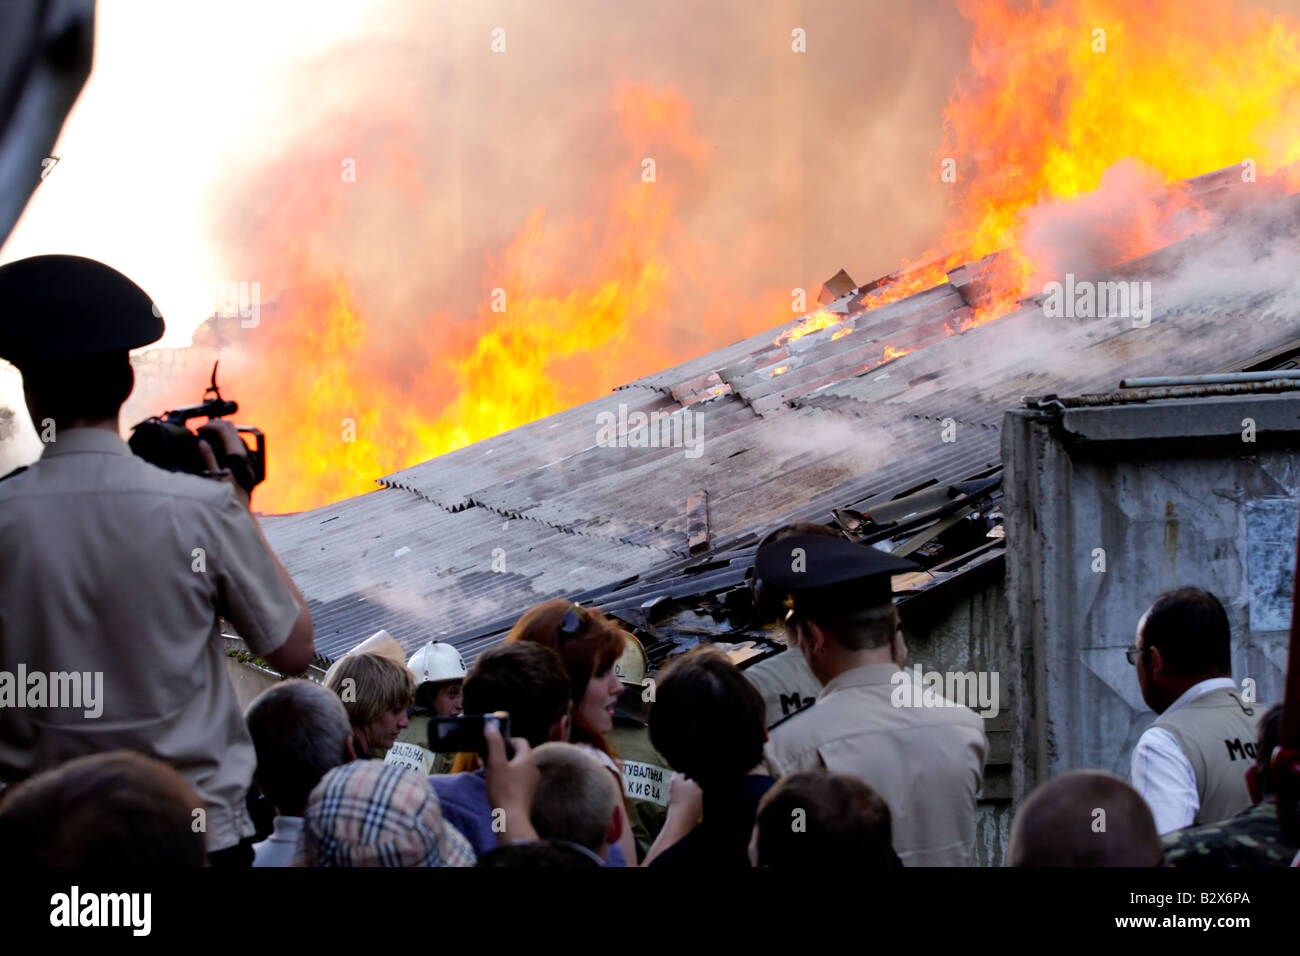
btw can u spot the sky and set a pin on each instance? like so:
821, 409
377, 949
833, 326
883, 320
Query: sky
179, 95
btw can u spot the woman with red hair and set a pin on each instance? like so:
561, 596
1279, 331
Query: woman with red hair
589, 643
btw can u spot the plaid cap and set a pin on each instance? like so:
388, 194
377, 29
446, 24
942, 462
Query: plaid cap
371, 813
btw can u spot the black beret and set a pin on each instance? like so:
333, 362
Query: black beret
826, 575
67, 307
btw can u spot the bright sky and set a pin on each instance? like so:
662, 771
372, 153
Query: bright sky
178, 93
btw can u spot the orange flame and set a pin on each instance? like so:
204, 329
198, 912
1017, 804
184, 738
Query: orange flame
567, 313
813, 322
1147, 92
1168, 91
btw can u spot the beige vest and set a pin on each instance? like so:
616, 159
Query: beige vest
1216, 732
786, 683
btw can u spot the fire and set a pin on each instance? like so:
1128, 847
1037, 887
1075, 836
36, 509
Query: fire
344, 413
910, 280
813, 322
567, 312
779, 370
892, 353
1142, 93
1156, 89
1054, 124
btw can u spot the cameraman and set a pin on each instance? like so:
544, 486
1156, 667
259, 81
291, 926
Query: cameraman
113, 572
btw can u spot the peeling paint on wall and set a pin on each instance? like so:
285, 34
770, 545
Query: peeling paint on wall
1271, 527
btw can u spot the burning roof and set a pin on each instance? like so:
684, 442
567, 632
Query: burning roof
885, 420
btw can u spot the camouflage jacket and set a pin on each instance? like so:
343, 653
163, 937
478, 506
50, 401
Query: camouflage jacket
1251, 838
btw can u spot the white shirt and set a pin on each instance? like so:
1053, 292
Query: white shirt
1161, 772
279, 847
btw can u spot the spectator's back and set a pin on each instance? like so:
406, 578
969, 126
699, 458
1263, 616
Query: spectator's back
115, 571
926, 762
118, 572
872, 720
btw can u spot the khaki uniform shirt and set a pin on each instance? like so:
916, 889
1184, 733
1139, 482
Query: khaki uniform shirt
117, 570
927, 763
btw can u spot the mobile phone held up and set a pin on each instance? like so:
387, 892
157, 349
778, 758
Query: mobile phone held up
465, 734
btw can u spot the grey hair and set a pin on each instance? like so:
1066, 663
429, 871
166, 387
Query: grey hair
576, 796
300, 731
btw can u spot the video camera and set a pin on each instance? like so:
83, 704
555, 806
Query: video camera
166, 441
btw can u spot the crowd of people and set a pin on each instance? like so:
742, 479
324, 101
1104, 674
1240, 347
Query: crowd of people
113, 566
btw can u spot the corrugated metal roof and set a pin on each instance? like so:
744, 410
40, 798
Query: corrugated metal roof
576, 517
392, 559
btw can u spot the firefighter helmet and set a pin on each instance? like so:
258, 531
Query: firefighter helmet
436, 662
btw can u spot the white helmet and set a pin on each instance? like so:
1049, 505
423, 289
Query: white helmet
436, 662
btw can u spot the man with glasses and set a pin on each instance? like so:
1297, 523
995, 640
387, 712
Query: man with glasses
1190, 764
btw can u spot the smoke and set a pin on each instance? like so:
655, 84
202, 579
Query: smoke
803, 438
782, 166
388, 184
1217, 297
1131, 209
488, 216
1252, 268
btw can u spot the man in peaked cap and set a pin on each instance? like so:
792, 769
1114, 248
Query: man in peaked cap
784, 680
115, 572
922, 753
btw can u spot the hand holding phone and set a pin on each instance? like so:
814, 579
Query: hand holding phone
464, 734
511, 784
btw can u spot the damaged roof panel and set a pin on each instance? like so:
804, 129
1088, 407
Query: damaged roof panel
391, 559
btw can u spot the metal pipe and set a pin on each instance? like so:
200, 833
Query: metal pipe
1221, 378
1151, 394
